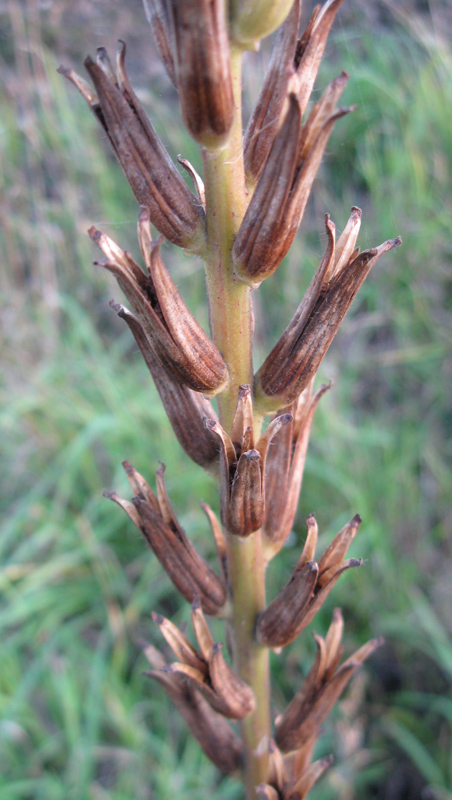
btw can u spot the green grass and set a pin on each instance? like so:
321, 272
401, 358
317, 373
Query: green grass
78, 719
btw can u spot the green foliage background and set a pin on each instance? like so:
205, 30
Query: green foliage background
78, 719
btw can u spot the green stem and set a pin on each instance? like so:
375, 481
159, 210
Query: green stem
230, 310
230, 306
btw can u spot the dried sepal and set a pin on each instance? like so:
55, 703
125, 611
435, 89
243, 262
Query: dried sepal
217, 739
189, 572
185, 408
284, 473
282, 192
178, 341
296, 357
317, 695
152, 176
197, 180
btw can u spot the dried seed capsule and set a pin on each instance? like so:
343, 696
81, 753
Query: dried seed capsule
295, 359
185, 408
173, 334
152, 176
279, 200
243, 468
314, 700
284, 474
308, 588
206, 671
190, 574
294, 64
210, 729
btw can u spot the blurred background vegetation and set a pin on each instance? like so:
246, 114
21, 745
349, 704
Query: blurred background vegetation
78, 719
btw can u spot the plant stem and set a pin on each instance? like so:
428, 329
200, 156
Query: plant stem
230, 310
230, 307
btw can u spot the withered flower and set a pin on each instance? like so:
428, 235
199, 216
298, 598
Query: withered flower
172, 332
210, 729
201, 49
295, 359
293, 68
308, 588
284, 471
152, 175
279, 200
153, 516
242, 467
322, 687
205, 670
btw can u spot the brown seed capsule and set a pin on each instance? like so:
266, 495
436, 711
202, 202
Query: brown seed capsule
297, 604
295, 359
185, 408
267, 114
210, 729
317, 695
155, 518
284, 473
293, 68
243, 468
277, 626
201, 46
279, 200
172, 332
206, 670
152, 176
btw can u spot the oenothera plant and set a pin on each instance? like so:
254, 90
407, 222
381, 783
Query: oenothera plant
241, 219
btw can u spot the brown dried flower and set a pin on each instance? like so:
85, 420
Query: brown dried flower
293, 68
242, 467
284, 472
156, 520
172, 332
206, 670
308, 588
324, 684
152, 176
295, 359
282, 192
